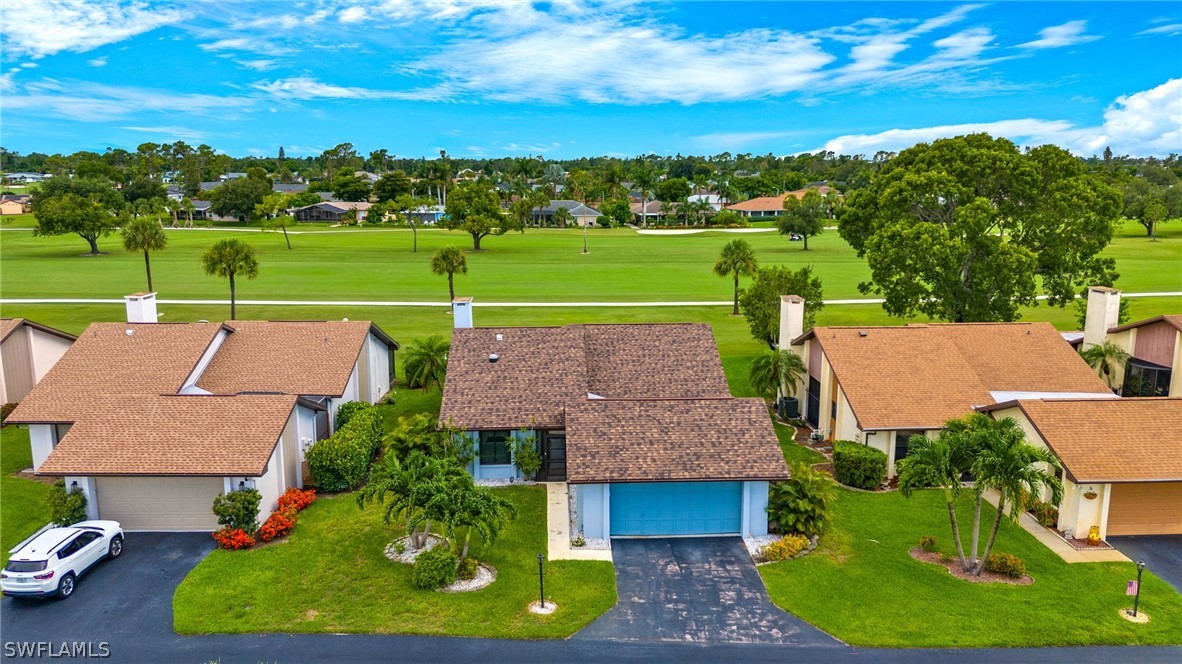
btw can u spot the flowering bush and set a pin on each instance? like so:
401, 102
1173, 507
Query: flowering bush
296, 499
278, 524
1046, 513
233, 539
785, 547
1006, 564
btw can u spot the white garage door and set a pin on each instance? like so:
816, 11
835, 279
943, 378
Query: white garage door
159, 503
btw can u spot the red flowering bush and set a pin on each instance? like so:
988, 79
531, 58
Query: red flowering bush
233, 539
296, 499
278, 524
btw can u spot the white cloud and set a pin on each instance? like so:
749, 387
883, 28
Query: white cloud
249, 44
170, 133
43, 27
1168, 30
352, 14
257, 65
1144, 123
29, 65
98, 62
1058, 36
309, 88
93, 102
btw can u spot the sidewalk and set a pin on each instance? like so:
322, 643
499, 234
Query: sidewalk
558, 527
1056, 543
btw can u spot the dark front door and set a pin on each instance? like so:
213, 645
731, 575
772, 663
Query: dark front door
813, 409
553, 456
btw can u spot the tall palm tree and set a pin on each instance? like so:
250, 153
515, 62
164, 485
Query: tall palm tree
644, 180
426, 361
449, 260
144, 235
188, 208
737, 259
562, 216
229, 258
939, 464
775, 372
478, 510
1010, 466
1108, 359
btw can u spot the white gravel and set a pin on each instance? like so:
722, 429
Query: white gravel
408, 555
595, 544
495, 483
485, 575
754, 544
536, 607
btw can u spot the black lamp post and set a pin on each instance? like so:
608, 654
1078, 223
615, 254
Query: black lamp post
541, 584
1137, 598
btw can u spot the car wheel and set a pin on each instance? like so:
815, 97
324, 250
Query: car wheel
65, 587
116, 548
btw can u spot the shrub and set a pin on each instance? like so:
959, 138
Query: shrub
238, 510
1006, 564
66, 507
233, 539
434, 568
858, 465
347, 410
928, 543
341, 461
277, 525
579, 542
399, 547
6, 410
802, 504
785, 547
1046, 513
467, 569
526, 456
296, 499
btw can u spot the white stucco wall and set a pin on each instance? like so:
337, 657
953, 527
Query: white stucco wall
270, 485
594, 513
42, 440
352, 393
754, 522
379, 368
847, 425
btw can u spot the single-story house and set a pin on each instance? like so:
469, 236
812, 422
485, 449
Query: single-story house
636, 418
772, 206
153, 420
651, 211
427, 214
580, 214
26, 177
714, 200
289, 188
28, 350
880, 385
1121, 458
10, 204
333, 211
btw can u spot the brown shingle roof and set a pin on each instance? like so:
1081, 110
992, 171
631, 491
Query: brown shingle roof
539, 369
173, 435
1172, 319
671, 440
760, 204
1117, 440
920, 376
10, 325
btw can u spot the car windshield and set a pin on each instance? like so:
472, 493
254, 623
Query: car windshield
24, 566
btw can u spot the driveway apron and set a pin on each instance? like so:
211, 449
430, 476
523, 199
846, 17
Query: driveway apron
1162, 554
702, 590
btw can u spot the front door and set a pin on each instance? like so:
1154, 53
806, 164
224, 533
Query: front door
553, 456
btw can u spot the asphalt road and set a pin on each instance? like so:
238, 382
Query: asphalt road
1162, 554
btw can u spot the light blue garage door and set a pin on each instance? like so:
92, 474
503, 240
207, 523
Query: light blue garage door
676, 508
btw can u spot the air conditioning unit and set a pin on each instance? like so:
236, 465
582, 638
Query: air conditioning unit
788, 408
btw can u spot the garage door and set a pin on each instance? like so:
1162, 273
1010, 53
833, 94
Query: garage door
159, 503
676, 508
1152, 508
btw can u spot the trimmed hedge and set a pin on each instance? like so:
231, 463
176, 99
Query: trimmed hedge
341, 461
347, 410
858, 465
434, 568
1006, 564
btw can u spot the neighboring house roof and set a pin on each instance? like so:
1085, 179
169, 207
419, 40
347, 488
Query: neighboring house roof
289, 188
338, 206
775, 203
1117, 440
1173, 319
576, 209
920, 376
652, 208
664, 440
199, 204
325, 195
539, 369
206, 186
10, 325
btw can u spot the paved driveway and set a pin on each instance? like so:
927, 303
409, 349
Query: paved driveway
695, 590
1162, 554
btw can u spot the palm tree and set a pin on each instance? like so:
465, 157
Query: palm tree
230, 258
426, 361
188, 208
939, 464
479, 510
1107, 359
737, 258
562, 216
775, 371
644, 180
1010, 466
449, 260
144, 235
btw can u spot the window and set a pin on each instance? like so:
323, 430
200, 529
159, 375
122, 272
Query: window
86, 538
70, 549
25, 566
903, 442
1146, 379
494, 448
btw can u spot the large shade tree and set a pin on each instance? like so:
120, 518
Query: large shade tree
805, 216
967, 228
146, 235
84, 206
760, 302
737, 259
231, 258
474, 208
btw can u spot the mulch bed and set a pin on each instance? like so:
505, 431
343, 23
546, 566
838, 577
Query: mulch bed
954, 569
1082, 544
825, 467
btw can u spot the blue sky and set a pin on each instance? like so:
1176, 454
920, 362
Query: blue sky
583, 77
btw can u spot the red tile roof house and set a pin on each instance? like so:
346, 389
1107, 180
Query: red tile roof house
153, 420
27, 352
636, 418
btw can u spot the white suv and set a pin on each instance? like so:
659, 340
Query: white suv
50, 562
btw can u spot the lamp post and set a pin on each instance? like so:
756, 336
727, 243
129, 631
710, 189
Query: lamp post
541, 584
1137, 598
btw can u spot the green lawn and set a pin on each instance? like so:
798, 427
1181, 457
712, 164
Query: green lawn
793, 451
863, 587
331, 577
23, 508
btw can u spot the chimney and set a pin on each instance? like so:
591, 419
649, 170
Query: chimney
1103, 313
461, 311
791, 319
141, 307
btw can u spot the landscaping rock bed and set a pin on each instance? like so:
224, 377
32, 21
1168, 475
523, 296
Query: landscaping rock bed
408, 554
594, 544
537, 608
485, 575
754, 544
496, 483
954, 569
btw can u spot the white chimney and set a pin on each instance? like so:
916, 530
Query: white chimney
141, 307
791, 319
461, 311
1103, 313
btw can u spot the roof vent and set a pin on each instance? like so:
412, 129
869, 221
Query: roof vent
129, 332
493, 357
861, 333
500, 337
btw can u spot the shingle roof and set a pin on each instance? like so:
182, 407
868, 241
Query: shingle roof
10, 325
1172, 319
1117, 440
539, 369
759, 204
920, 376
173, 435
671, 440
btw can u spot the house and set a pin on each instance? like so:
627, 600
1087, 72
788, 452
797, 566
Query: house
427, 214
713, 200
153, 420
367, 176
637, 419
202, 210
651, 211
26, 177
580, 214
1121, 459
294, 188
1154, 345
174, 192
13, 204
880, 385
27, 352
772, 206
334, 211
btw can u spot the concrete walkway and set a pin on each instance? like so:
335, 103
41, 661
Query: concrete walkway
558, 527
1057, 544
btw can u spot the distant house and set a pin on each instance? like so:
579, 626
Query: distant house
581, 215
26, 177
427, 214
714, 200
28, 350
772, 206
174, 192
333, 211
295, 188
231, 176
652, 211
367, 176
201, 210
13, 204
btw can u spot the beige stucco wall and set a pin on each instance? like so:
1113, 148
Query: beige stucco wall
1127, 341
1176, 377
846, 427
47, 350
